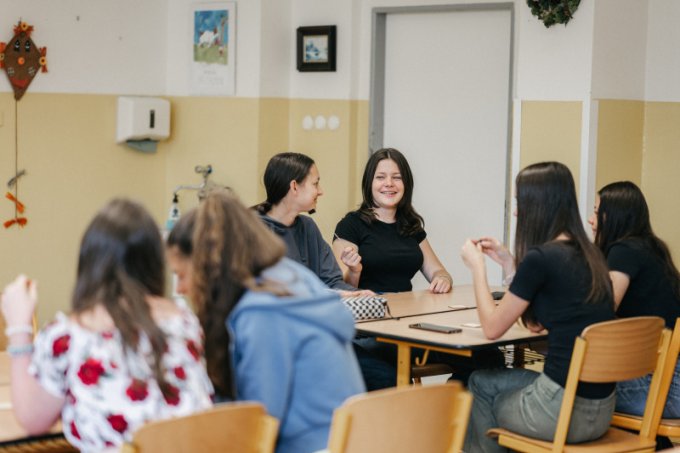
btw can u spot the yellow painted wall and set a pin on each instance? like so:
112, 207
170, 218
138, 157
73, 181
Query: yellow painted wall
274, 135
619, 141
67, 146
551, 130
220, 131
661, 171
331, 150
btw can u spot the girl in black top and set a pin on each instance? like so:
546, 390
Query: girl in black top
645, 280
383, 244
561, 284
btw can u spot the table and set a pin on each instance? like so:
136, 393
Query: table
422, 302
433, 309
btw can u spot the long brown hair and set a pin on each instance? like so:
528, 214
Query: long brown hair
623, 215
120, 264
546, 208
231, 249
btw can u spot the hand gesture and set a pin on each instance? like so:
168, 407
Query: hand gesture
472, 254
493, 248
18, 301
351, 258
441, 284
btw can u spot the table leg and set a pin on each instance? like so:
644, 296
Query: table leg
403, 365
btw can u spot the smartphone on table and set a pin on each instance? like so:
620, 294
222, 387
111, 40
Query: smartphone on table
435, 327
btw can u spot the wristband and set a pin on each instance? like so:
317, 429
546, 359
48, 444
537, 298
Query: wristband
16, 350
508, 280
13, 330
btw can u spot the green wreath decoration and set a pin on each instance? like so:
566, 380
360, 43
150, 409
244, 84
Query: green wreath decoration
552, 12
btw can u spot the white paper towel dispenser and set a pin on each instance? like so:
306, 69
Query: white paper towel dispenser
142, 121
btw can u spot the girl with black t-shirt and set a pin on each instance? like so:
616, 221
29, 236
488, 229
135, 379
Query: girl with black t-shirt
383, 244
645, 280
561, 284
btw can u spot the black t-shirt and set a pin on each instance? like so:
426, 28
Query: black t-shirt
649, 292
554, 278
389, 260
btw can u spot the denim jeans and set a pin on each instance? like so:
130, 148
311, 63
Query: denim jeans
378, 362
528, 403
631, 396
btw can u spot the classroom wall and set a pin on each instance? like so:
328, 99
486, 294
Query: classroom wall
66, 146
67, 119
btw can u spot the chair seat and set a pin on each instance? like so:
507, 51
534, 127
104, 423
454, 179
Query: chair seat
668, 426
430, 369
614, 440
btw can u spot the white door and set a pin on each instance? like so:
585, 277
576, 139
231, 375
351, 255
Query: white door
447, 78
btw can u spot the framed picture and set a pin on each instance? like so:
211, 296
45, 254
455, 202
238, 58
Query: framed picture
213, 56
316, 48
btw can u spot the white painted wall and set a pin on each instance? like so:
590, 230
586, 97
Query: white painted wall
248, 46
662, 81
554, 63
323, 85
111, 46
276, 48
619, 49
138, 47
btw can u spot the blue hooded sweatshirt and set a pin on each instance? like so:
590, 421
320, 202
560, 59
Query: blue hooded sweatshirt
294, 354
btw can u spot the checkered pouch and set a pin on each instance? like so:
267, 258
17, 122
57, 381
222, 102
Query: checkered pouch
365, 308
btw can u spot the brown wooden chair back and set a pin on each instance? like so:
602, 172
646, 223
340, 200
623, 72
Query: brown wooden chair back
666, 427
406, 419
226, 428
609, 351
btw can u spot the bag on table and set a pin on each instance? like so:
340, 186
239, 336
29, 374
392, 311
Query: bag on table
365, 308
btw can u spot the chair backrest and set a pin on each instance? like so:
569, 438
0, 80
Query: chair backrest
431, 418
615, 351
227, 428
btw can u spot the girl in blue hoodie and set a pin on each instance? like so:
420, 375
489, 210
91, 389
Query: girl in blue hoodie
274, 333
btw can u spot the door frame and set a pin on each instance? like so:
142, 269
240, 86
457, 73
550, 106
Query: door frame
376, 128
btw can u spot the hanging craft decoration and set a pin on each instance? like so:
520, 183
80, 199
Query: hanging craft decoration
19, 207
552, 12
21, 59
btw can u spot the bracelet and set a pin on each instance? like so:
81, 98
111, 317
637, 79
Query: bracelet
508, 280
13, 330
16, 350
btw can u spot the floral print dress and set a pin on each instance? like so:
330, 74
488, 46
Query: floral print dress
110, 392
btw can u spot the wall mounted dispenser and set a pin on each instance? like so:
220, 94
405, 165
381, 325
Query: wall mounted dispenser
142, 122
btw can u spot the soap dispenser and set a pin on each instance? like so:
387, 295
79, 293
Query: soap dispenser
173, 215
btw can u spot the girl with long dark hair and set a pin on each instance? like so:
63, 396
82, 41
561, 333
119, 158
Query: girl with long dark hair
293, 185
383, 244
124, 356
562, 284
646, 281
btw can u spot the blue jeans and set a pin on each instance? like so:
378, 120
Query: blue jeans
528, 403
631, 396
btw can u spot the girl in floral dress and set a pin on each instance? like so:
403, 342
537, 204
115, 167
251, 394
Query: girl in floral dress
124, 356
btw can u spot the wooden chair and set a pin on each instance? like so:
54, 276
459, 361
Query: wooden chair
227, 428
669, 427
420, 368
606, 352
407, 419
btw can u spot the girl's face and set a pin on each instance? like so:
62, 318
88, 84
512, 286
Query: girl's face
180, 265
592, 220
309, 190
388, 186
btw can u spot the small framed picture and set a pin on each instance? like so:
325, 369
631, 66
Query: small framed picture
316, 48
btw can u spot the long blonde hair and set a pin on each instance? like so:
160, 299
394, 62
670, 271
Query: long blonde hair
231, 249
